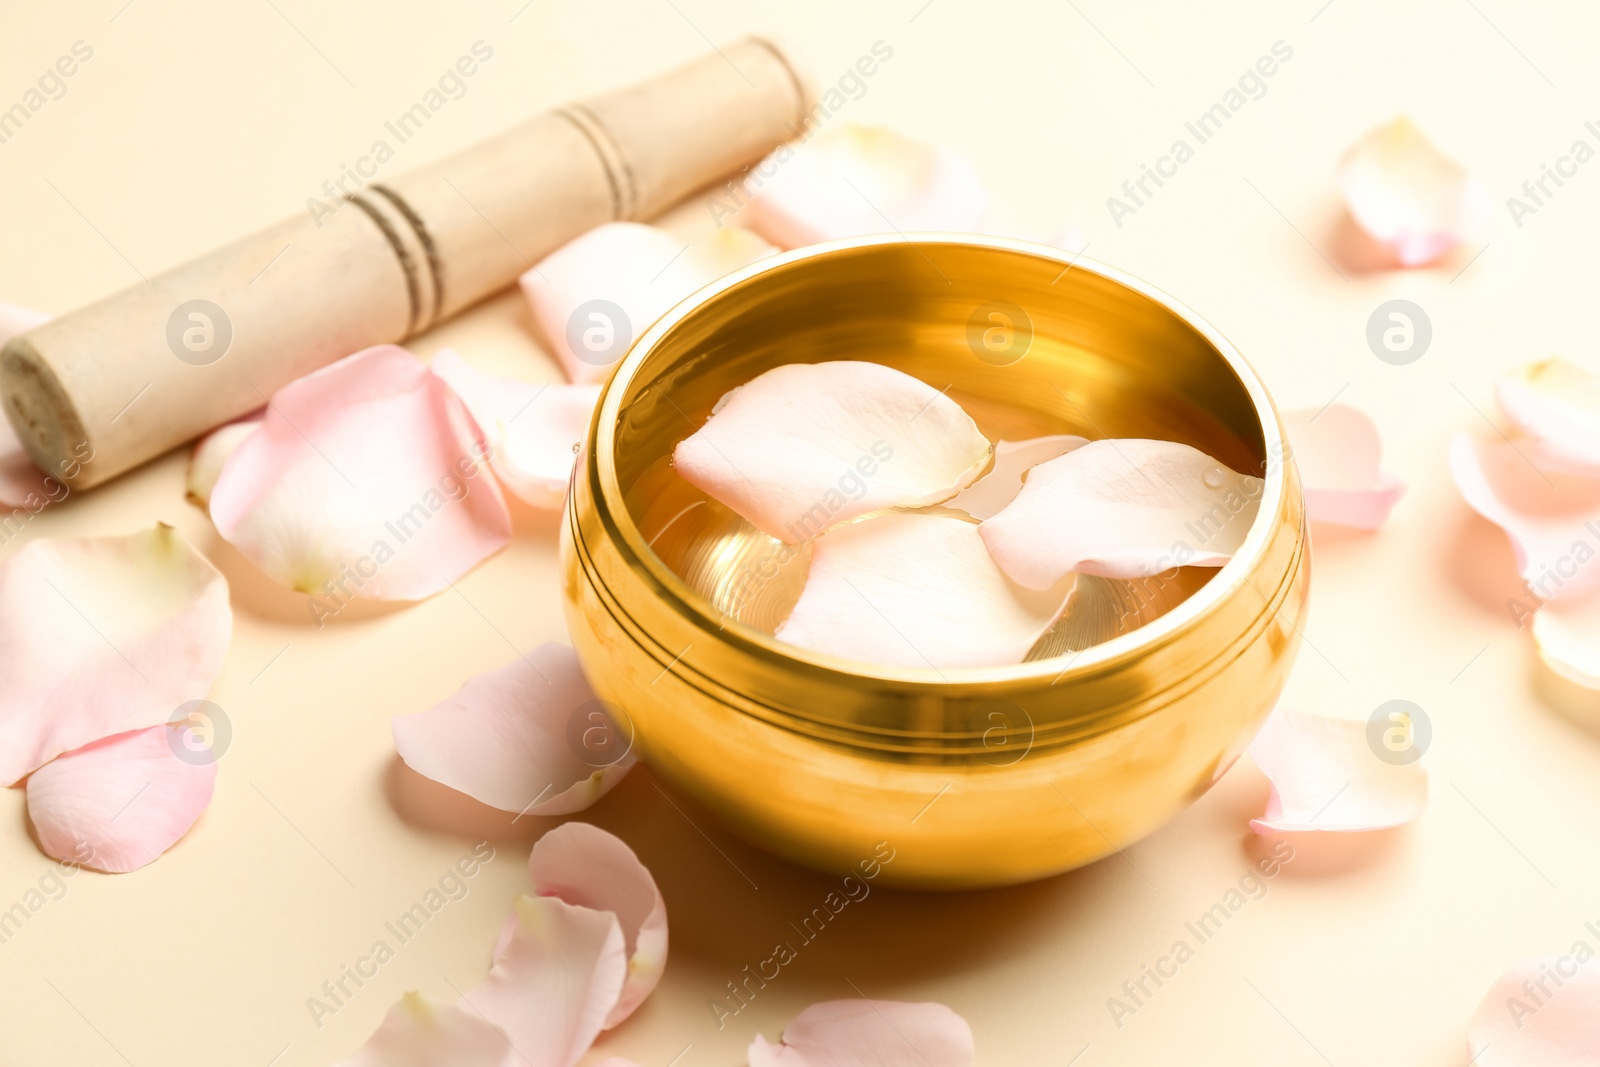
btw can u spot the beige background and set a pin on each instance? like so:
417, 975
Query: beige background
195, 122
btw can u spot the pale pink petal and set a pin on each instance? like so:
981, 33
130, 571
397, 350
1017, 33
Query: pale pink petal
1338, 453
1556, 405
1325, 775
805, 446
1566, 634
1013, 460
534, 429
916, 590
853, 180
1125, 508
1541, 1013
118, 803
212, 453
15, 320
420, 1032
1070, 239
586, 866
515, 738
592, 297
21, 483
870, 1033
363, 480
1409, 196
101, 635
555, 981
1552, 519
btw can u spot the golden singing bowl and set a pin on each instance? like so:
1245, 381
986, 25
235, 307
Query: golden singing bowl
1134, 704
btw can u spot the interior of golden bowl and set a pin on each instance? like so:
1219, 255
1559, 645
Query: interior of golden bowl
1105, 359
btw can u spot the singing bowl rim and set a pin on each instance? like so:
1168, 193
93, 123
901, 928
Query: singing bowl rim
600, 468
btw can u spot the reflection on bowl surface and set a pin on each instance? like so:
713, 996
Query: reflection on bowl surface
1125, 712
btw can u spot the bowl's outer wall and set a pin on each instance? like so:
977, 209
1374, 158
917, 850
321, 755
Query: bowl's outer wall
977, 822
832, 769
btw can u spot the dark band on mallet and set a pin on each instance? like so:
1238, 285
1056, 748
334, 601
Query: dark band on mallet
401, 253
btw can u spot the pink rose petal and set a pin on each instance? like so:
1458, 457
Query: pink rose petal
521, 738
102, 635
1541, 1013
555, 982
1325, 776
586, 866
912, 589
118, 803
419, 1032
854, 180
1070, 239
1409, 196
1552, 519
870, 1033
534, 430
805, 446
1556, 405
363, 478
989, 495
1338, 453
1123, 508
15, 320
1566, 635
574, 959
211, 454
637, 269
